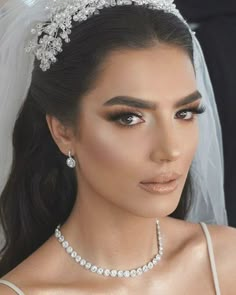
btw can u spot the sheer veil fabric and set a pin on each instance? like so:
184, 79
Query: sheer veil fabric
17, 17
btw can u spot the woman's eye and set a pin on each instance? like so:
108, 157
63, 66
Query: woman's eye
186, 115
189, 114
126, 119
129, 119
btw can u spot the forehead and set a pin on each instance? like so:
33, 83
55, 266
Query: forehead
161, 72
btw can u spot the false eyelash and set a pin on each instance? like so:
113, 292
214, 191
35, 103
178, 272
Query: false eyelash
195, 110
117, 115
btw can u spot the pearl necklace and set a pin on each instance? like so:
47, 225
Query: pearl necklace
107, 272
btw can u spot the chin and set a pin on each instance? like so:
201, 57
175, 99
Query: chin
159, 209
160, 205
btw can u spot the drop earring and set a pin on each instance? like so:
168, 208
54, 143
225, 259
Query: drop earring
70, 161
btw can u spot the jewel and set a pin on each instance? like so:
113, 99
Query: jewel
88, 265
73, 254
113, 273
145, 268
62, 13
75, 18
100, 271
120, 273
139, 271
133, 273
57, 234
65, 244
70, 162
106, 272
154, 261
94, 268
69, 249
158, 257
61, 239
82, 262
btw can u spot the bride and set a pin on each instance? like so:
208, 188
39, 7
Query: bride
117, 155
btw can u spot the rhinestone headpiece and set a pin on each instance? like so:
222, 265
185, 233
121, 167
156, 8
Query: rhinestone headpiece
61, 13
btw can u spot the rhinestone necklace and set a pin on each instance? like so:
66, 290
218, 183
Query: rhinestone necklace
113, 272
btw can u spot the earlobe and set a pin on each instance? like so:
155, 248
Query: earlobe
62, 135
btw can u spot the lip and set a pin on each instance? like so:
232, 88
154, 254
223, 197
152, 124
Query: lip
162, 178
162, 188
163, 183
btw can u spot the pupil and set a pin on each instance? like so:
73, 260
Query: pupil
129, 119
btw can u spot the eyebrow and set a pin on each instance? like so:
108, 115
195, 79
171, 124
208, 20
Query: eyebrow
149, 105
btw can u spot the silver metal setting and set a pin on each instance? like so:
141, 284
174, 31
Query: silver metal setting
112, 272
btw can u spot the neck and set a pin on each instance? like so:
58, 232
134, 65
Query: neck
108, 236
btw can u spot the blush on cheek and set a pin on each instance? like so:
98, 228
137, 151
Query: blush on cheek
102, 150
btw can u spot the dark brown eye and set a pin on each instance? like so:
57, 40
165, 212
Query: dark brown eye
126, 119
183, 115
192, 111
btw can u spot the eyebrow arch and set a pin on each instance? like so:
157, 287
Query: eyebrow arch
149, 105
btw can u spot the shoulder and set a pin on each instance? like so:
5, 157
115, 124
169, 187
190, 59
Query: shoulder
221, 232
224, 242
224, 247
5, 290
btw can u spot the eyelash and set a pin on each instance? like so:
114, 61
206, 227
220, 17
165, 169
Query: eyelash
117, 115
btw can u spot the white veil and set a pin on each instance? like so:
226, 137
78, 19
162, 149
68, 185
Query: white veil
17, 18
208, 165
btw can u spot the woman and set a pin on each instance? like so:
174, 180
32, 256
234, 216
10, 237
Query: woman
103, 146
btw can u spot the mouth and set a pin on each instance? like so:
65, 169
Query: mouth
163, 184
162, 188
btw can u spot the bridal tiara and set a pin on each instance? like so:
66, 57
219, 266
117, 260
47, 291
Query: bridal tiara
61, 13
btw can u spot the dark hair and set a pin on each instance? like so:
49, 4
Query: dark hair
41, 189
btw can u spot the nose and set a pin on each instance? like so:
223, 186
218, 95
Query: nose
167, 144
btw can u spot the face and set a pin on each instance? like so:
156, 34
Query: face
121, 145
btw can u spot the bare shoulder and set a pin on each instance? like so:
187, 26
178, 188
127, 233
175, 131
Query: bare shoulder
5, 290
224, 246
13, 279
223, 235
224, 242
25, 275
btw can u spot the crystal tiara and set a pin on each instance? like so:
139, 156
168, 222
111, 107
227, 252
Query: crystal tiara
61, 13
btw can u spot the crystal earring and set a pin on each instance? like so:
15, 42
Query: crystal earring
70, 161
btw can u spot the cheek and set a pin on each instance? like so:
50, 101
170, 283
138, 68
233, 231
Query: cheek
189, 146
105, 154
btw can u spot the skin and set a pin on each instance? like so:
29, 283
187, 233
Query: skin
113, 220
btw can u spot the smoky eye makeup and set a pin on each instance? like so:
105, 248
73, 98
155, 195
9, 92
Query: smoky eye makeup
117, 114
195, 110
124, 116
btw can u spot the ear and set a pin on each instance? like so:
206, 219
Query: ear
62, 135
